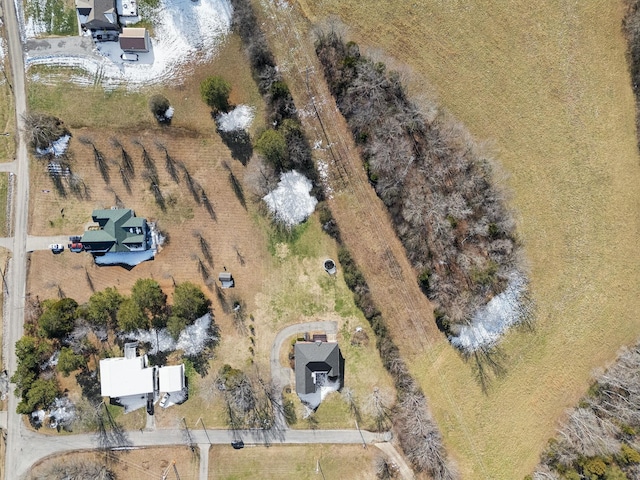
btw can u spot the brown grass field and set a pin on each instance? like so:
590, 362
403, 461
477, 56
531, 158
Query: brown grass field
546, 87
144, 463
292, 462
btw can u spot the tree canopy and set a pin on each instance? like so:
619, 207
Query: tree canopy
41, 394
131, 317
58, 318
149, 297
273, 146
103, 306
215, 93
68, 361
189, 302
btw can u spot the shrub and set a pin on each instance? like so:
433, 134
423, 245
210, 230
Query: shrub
42, 129
272, 145
159, 104
215, 93
58, 318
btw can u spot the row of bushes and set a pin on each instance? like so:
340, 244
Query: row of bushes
438, 189
418, 434
601, 438
284, 145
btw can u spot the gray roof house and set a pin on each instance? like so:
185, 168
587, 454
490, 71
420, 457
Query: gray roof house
317, 364
118, 230
98, 15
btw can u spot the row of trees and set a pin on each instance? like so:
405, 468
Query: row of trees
284, 147
601, 438
56, 333
449, 215
416, 430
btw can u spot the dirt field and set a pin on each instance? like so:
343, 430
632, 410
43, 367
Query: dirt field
146, 463
548, 90
294, 462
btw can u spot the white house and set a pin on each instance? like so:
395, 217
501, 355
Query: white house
129, 380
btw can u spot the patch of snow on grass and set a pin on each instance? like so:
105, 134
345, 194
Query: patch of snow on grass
192, 340
291, 202
313, 400
57, 147
169, 113
492, 321
237, 119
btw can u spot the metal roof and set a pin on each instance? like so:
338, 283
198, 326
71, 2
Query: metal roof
312, 357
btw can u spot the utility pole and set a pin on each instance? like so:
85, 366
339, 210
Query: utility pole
205, 430
175, 470
364, 444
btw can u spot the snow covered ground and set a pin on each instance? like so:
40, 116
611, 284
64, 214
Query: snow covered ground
312, 400
239, 118
184, 31
291, 202
192, 340
494, 319
57, 148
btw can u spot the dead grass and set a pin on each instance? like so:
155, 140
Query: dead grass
7, 113
548, 88
294, 462
144, 463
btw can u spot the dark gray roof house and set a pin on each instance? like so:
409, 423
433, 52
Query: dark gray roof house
117, 230
317, 364
97, 15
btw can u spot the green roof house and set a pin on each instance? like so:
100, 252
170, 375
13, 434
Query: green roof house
118, 231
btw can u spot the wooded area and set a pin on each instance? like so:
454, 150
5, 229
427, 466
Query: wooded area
438, 188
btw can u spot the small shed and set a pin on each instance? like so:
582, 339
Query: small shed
226, 280
134, 40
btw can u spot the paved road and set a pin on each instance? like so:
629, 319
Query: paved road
35, 446
13, 318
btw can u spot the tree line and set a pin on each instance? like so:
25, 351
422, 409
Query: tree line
283, 145
600, 440
437, 187
56, 331
415, 428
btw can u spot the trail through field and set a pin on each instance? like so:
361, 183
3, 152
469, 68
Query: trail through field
363, 219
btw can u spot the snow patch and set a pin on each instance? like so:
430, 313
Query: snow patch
313, 400
192, 340
491, 321
57, 148
62, 413
168, 114
290, 202
237, 119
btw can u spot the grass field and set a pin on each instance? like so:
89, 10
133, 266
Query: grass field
292, 462
546, 87
7, 113
142, 463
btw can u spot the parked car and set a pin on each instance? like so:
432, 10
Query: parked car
76, 247
237, 444
164, 400
56, 248
129, 57
75, 238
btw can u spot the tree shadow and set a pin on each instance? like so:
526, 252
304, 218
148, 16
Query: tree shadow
488, 363
90, 385
239, 144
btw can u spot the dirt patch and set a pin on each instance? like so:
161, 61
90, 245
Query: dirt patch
138, 463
